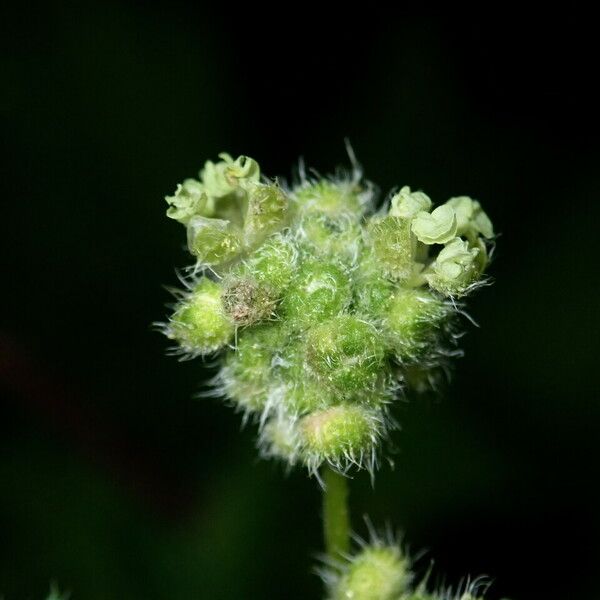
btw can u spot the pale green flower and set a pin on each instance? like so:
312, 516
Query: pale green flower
407, 204
470, 218
455, 268
224, 177
438, 227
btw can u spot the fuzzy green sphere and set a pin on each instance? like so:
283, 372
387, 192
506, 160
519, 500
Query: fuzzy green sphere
200, 324
273, 263
347, 354
340, 434
377, 573
414, 321
320, 289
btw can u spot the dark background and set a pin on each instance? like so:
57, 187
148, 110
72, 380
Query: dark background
115, 481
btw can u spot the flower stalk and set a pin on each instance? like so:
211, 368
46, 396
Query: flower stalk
336, 514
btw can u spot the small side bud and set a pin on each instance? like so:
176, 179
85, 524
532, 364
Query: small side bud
347, 354
342, 435
377, 573
456, 269
413, 321
199, 324
320, 289
213, 241
437, 227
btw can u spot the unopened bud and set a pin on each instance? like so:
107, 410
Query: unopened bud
200, 324
347, 354
341, 436
413, 320
377, 573
320, 289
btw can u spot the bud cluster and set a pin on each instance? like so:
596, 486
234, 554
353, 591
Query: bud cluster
323, 306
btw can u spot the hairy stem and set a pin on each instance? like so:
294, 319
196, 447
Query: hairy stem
336, 517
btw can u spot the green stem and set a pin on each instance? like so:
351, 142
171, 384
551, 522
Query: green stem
336, 517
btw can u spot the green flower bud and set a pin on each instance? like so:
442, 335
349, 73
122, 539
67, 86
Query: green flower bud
455, 270
407, 204
213, 241
471, 220
438, 227
347, 354
341, 436
199, 324
337, 237
319, 290
190, 199
393, 246
413, 323
247, 376
267, 211
331, 198
377, 573
273, 263
247, 301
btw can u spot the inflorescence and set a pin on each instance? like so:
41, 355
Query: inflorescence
323, 307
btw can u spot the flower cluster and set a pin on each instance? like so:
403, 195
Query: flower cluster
323, 306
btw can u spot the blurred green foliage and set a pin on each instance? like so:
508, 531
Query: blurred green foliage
116, 483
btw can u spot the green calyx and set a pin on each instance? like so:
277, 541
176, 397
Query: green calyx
326, 307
